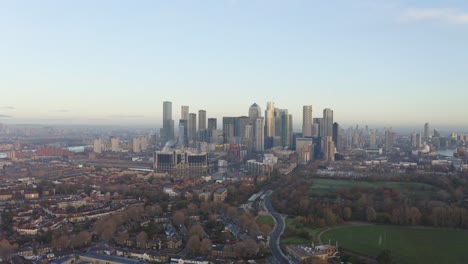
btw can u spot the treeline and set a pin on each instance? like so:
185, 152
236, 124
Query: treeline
379, 205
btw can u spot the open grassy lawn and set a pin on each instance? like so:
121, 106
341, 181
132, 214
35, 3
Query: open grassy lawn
412, 189
296, 240
266, 219
407, 245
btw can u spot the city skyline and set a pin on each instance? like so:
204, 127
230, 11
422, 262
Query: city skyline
400, 65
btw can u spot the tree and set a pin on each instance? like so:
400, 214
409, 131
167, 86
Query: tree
197, 230
205, 246
251, 248
122, 237
193, 244
141, 239
385, 257
5, 250
82, 239
371, 215
179, 218
240, 249
347, 213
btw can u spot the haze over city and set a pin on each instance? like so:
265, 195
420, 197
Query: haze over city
380, 63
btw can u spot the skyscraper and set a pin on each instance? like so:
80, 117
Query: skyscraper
388, 139
184, 112
286, 130
372, 140
254, 112
183, 132
192, 126
327, 128
167, 131
259, 131
229, 128
269, 124
328, 148
307, 121
201, 120
212, 123
317, 124
426, 132
336, 131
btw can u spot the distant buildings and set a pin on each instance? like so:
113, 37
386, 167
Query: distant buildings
179, 160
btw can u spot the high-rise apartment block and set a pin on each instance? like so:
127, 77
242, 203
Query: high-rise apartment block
167, 131
212, 124
201, 120
327, 128
192, 126
184, 112
307, 121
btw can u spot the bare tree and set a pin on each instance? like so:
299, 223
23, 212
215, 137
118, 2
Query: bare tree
141, 239
251, 248
371, 215
347, 213
193, 244
197, 230
205, 246
179, 218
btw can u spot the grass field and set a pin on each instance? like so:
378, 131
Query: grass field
407, 245
412, 189
296, 240
266, 219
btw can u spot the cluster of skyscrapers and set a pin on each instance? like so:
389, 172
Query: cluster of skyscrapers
256, 132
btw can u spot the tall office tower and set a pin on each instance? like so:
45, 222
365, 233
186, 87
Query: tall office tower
307, 121
317, 124
167, 131
254, 112
388, 139
183, 132
182, 138
269, 125
328, 148
97, 148
413, 140
259, 132
426, 132
304, 149
240, 123
336, 133
248, 136
286, 130
184, 111
115, 144
373, 140
418, 140
327, 127
201, 120
229, 124
192, 126
212, 123
436, 133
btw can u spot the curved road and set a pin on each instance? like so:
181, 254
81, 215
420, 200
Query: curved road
277, 231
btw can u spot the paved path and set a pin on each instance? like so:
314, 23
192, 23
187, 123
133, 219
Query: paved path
277, 231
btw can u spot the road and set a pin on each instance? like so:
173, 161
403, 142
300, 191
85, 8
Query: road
277, 231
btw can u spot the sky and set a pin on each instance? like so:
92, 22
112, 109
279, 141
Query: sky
376, 62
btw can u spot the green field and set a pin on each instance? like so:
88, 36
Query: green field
413, 189
407, 245
296, 240
266, 220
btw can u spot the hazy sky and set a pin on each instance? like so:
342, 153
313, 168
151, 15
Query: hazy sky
373, 62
